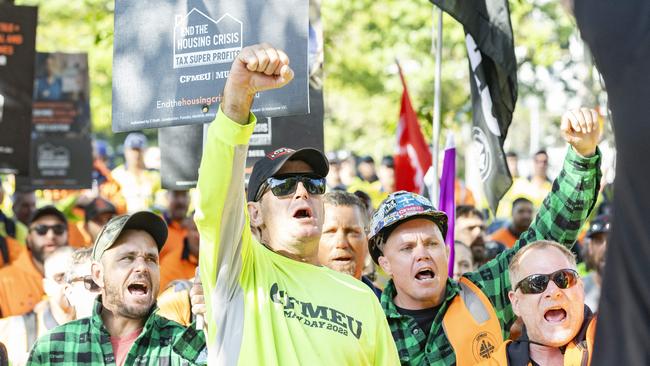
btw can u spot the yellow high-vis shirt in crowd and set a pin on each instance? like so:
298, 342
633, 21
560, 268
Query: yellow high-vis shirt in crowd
264, 308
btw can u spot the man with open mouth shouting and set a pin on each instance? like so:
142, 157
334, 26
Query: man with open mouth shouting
123, 328
548, 294
269, 301
436, 320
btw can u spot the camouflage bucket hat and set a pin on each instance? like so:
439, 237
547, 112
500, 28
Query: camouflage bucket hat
397, 208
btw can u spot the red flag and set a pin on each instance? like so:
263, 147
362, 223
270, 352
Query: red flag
413, 157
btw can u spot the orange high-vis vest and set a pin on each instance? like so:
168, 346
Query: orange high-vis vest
471, 325
575, 354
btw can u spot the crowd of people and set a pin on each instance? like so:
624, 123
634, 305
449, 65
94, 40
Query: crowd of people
317, 260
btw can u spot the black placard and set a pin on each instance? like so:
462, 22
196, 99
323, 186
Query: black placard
294, 131
181, 147
17, 40
59, 162
180, 156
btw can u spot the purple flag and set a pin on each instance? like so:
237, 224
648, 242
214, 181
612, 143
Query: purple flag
446, 201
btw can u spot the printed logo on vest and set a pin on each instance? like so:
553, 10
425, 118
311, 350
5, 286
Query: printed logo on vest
483, 345
316, 316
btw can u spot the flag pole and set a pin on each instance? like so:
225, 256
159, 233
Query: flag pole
436, 48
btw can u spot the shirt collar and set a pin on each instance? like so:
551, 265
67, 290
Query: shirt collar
387, 303
98, 323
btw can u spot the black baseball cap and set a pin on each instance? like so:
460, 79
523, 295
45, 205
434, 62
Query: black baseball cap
141, 220
48, 210
97, 207
272, 162
600, 224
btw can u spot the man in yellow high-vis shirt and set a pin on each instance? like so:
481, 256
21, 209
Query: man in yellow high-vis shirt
269, 302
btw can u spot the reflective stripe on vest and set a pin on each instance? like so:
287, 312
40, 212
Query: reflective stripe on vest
471, 325
576, 354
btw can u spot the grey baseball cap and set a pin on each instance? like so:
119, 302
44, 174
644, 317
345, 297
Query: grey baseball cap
142, 220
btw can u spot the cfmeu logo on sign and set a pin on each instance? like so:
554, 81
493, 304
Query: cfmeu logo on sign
200, 40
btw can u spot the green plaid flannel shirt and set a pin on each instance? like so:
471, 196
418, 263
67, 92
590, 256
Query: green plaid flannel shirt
87, 342
560, 218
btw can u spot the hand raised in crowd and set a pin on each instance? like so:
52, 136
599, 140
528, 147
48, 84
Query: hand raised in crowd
581, 129
257, 68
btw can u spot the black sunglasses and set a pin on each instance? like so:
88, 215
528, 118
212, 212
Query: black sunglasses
537, 283
89, 284
42, 229
285, 185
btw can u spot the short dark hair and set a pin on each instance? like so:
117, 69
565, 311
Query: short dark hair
343, 198
520, 200
367, 159
511, 154
540, 152
468, 211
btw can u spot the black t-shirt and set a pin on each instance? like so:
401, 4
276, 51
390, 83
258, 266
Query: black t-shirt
618, 35
424, 317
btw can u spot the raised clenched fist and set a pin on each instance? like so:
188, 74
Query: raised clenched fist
581, 129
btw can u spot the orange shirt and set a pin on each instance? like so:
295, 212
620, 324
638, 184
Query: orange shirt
464, 195
174, 244
177, 267
175, 260
77, 235
505, 237
14, 249
21, 286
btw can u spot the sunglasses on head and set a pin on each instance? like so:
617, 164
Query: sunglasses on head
285, 185
537, 283
89, 284
42, 229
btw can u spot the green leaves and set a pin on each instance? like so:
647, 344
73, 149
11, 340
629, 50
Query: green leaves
362, 40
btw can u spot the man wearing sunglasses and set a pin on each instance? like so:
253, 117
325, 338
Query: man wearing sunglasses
269, 302
436, 320
548, 294
21, 282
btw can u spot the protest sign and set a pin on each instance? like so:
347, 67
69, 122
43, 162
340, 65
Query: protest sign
61, 94
17, 40
59, 162
295, 132
61, 149
172, 58
181, 146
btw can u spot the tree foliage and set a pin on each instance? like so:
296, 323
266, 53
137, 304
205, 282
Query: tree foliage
363, 38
